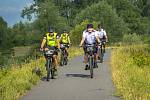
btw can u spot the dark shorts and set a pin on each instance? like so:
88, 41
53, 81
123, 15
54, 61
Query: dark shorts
95, 49
56, 52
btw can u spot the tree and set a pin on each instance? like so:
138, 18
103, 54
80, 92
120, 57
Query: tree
47, 15
102, 12
3, 31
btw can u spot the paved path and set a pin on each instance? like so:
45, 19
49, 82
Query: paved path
74, 83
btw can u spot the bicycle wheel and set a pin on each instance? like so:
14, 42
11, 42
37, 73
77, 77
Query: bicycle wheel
101, 55
62, 60
65, 59
48, 70
91, 66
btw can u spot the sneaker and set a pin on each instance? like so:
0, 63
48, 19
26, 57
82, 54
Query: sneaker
87, 67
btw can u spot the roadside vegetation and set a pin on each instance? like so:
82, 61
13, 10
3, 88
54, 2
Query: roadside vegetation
131, 69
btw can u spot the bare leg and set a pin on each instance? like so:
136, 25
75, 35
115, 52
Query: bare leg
55, 61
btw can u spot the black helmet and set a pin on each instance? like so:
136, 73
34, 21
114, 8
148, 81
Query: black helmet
50, 30
65, 31
99, 26
89, 26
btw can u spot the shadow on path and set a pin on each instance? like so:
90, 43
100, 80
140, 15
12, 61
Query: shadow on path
78, 75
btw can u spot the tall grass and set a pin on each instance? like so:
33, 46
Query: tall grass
131, 71
18, 80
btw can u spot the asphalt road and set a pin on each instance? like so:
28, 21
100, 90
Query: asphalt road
74, 83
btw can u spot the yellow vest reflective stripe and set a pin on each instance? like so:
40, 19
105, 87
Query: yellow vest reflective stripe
51, 40
64, 38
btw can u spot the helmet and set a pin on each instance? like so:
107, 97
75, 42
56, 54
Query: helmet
65, 31
99, 26
50, 29
89, 26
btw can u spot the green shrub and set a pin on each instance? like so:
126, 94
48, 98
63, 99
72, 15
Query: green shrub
132, 39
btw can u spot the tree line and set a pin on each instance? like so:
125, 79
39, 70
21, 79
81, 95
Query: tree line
118, 17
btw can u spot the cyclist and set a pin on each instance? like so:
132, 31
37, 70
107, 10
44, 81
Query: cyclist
102, 35
50, 40
89, 36
65, 40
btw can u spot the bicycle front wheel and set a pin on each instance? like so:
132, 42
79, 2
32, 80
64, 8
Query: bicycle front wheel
91, 66
48, 69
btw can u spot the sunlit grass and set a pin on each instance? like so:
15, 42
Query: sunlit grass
131, 72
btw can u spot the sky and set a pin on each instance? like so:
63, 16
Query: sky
10, 10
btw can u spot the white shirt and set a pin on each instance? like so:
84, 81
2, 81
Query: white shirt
101, 33
90, 38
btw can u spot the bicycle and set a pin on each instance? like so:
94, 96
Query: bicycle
49, 64
64, 55
90, 52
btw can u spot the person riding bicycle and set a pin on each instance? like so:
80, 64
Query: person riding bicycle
50, 40
65, 40
90, 36
102, 35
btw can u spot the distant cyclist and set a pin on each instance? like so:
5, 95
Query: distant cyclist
89, 36
65, 40
102, 35
50, 40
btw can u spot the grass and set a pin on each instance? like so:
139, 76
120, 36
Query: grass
17, 80
131, 72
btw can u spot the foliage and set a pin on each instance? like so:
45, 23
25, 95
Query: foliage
102, 12
132, 12
132, 38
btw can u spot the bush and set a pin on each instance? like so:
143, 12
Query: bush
103, 13
132, 39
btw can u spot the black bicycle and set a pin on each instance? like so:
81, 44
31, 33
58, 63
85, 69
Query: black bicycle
64, 55
50, 63
90, 52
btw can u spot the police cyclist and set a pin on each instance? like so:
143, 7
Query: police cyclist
65, 40
50, 40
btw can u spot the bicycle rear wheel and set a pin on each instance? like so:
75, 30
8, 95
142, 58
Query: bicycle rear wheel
62, 60
65, 59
